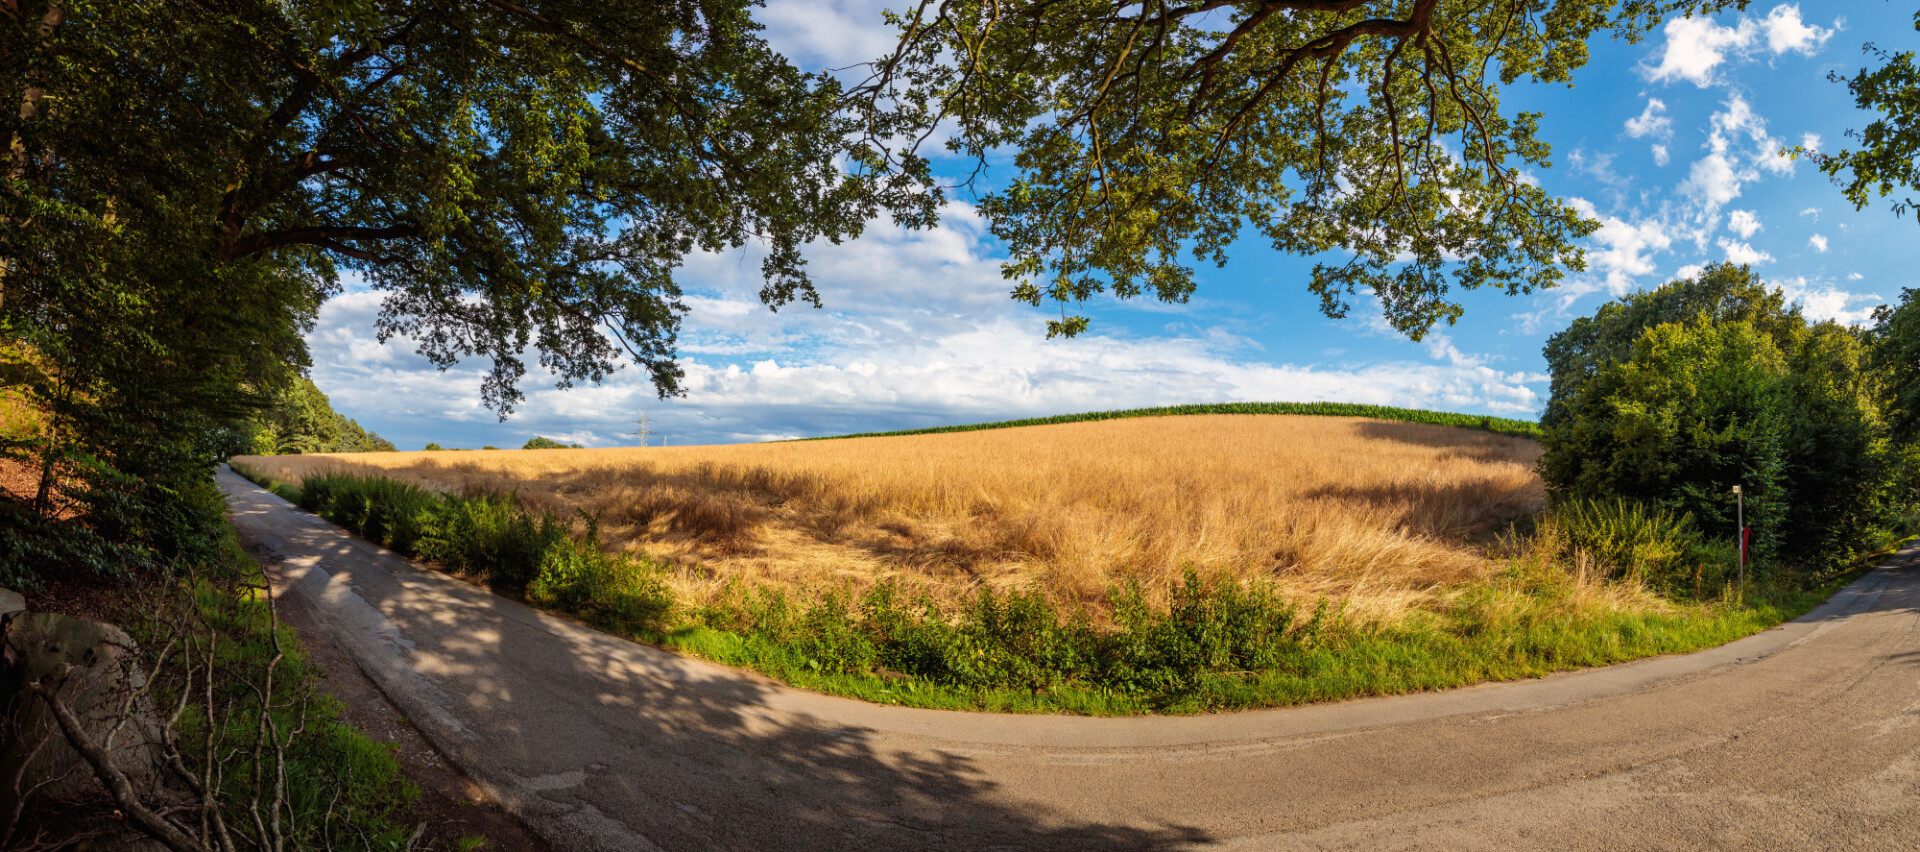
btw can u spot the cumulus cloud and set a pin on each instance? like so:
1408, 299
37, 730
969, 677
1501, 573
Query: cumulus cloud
1739, 252
1787, 33
1739, 149
1651, 121
1620, 251
1821, 300
1818, 242
1744, 223
1697, 49
1660, 155
827, 33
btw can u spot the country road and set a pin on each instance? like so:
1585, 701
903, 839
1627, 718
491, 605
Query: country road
1806, 736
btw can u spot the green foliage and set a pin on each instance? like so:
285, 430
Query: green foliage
1722, 292
432, 447
298, 418
1020, 640
1497, 425
540, 443
1886, 161
1894, 355
1673, 410
1145, 132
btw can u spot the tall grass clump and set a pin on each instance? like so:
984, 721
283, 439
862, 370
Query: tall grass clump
1641, 544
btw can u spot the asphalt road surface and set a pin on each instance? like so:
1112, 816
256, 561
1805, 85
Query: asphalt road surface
1806, 736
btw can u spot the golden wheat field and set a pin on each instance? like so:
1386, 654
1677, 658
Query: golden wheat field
1382, 515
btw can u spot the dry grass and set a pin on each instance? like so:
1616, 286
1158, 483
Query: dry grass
1385, 515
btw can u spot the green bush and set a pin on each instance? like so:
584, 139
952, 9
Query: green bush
1020, 640
1657, 546
543, 443
577, 577
489, 534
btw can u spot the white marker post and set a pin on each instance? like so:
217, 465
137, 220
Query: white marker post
1740, 536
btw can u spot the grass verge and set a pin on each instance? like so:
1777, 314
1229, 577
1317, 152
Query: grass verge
1497, 425
1219, 644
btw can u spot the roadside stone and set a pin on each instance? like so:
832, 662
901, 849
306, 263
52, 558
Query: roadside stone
11, 603
93, 667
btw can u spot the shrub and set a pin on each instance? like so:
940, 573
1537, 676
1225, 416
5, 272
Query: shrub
578, 577
1659, 547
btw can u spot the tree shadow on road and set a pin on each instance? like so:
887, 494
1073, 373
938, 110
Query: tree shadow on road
603, 735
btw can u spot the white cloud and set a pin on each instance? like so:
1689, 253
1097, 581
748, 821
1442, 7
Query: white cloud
1810, 141
1621, 251
1596, 166
1854, 276
1744, 223
1818, 242
1811, 211
828, 33
1696, 49
1652, 121
1739, 148
1690, 271
1785, 32
1739, 252
1660, 155
1823, 301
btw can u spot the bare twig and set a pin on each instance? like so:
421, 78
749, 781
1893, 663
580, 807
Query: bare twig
112, 778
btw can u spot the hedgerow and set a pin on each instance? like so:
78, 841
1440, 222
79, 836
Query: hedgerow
1497, 425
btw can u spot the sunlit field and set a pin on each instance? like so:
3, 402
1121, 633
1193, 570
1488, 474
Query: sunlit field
1382, 515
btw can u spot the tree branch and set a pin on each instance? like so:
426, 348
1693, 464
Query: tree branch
328, 238
115, 781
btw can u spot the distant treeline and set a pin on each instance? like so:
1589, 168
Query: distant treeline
300, 419
538, 443
1500, 425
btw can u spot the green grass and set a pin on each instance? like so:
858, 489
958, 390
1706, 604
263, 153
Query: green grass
1220, 645
1497, 425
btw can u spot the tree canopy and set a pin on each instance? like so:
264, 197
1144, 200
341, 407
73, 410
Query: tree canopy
1889, 146
300, 419
1369, 134
1672, 396
523, 178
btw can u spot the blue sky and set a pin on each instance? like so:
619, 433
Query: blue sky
1671, 143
